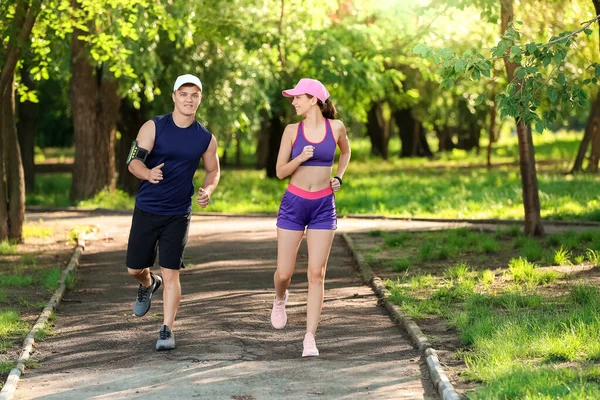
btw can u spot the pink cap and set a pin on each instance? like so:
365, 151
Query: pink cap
308, 86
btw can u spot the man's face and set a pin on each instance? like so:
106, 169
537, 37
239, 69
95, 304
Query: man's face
187, 99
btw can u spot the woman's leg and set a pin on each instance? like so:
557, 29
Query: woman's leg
319, 244
288, 242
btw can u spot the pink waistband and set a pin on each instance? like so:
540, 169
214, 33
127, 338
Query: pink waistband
305, 194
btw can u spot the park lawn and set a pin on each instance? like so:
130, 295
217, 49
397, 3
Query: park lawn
456, 185
29, 274
514, 317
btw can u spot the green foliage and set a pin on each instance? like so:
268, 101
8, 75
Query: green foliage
539, 74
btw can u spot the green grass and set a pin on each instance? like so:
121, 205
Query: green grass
520, 337
6, 367
400, 264
11, 328
562, 256
15, 280
456, 185
527, 273
525, 334
7, 248
593, 256
49, 278
31, 230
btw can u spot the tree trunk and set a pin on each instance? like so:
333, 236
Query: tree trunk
531, 200
238, 151
262, 144
444, 135
378, 130
492, 132
95, 107
26, 128
591, 133
593, 127
12, 185
13, 168
4, 111
274, 132
129, 123
412, 135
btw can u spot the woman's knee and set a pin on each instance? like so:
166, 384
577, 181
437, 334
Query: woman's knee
316, 275
284, 275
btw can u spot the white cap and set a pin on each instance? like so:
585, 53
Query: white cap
187, 78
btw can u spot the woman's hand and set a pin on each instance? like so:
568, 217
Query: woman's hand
335, 183
307, 153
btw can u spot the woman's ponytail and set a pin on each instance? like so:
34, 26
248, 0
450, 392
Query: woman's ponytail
328, 109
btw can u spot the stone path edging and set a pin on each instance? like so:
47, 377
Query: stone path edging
438, 376
8, 390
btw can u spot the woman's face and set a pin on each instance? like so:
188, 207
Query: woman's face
302, 103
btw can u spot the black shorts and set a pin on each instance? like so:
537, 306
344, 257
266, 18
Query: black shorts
151, 232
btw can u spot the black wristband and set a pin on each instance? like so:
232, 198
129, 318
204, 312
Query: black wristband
339, 179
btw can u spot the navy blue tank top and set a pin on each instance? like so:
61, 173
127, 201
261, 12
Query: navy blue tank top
180, 149
324, 152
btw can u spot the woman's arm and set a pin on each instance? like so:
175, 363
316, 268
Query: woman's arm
344, 144
286, 167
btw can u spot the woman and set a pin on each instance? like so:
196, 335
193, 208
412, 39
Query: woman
306, 154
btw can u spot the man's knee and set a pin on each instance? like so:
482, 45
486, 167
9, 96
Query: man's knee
137, 272
170, 275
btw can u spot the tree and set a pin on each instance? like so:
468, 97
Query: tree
592, 130
16, 25
534, 72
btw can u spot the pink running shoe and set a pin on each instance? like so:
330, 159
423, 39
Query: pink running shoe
278, 314
310, 346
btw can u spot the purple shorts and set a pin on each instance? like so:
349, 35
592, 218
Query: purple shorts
300, 209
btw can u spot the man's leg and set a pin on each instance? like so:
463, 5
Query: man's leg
171, 295
172, 242
141, 252
141, 275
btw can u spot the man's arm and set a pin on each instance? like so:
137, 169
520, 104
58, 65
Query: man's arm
210, 159
145, 140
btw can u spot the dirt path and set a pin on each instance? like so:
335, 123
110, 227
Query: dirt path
226, 348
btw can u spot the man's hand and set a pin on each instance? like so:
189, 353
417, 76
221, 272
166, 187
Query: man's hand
156, 174
203, 198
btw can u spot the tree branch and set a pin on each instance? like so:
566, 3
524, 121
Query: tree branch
587, 23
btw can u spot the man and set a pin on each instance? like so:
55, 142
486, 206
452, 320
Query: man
165, 157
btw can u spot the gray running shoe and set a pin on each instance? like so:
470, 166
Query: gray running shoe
166, 339
144, 296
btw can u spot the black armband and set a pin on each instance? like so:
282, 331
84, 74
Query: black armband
137, 153
338, 179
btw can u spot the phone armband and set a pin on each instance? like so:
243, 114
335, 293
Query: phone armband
137, 153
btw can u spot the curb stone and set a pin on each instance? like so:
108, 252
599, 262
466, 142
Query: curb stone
440, 379
12, 380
